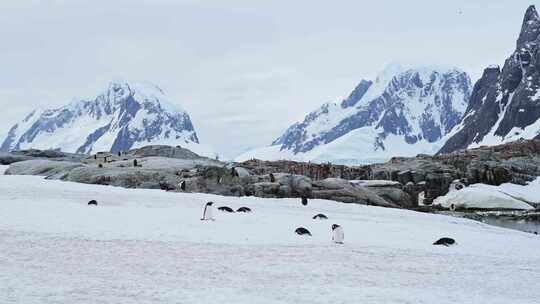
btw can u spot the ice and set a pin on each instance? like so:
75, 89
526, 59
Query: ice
481, 196
149, 246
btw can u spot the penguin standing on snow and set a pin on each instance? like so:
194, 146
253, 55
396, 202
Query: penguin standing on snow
337, 234
208, 212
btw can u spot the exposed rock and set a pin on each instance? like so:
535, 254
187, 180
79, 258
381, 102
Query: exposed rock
342, 191
504, 105
41, 167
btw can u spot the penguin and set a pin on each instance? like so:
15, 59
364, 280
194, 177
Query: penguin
445, 241
208, 212
183, 185
100, 165
135, 164
302, 231
244, 209
337, 234
320, 216
92, 203
272, 178
304, 201
225, 209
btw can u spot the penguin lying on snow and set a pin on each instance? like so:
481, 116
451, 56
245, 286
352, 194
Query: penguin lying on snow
320, 216
337, 234
92, 203
243, 209
208, 212
225, 209
445, 241
302, 231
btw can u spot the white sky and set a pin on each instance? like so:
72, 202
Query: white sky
243, 69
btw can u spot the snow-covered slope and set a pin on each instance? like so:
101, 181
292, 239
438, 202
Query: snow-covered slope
404, 112
505, 104
126, 115
149, 246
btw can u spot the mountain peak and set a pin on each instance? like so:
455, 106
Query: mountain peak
530, 28
531, 14
404, 112
123, 116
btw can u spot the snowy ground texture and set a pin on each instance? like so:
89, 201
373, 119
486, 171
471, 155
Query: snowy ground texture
149, 246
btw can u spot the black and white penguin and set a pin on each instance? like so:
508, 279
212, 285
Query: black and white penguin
337, 234
302, 231
208, 212
135, 164
304, 201
320, 216
244, 209
445, 241
272, 178
92, 203
183, 185
225, 209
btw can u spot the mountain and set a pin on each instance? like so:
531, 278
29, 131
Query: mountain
505, 103
124, 116
403, 112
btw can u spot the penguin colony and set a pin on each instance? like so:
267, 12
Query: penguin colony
338, 235
337, 231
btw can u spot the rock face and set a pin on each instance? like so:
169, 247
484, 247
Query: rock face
517, 162
403, 112
123, 117
505, 104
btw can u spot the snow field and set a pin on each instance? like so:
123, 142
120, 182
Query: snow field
149, 246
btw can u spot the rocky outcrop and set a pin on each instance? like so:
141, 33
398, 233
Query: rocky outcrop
401, 182
7, 158
42, 167
343, 191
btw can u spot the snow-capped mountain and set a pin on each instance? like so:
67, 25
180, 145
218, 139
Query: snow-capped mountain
402, 113
126, 115
505, 104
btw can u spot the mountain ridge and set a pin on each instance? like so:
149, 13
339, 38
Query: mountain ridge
505, 102
123, 116
401, 108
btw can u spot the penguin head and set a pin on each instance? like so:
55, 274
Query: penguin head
334, 226
209, 203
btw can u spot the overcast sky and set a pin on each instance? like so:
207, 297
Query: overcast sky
243, 69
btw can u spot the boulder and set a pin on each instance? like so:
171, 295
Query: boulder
342, 191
